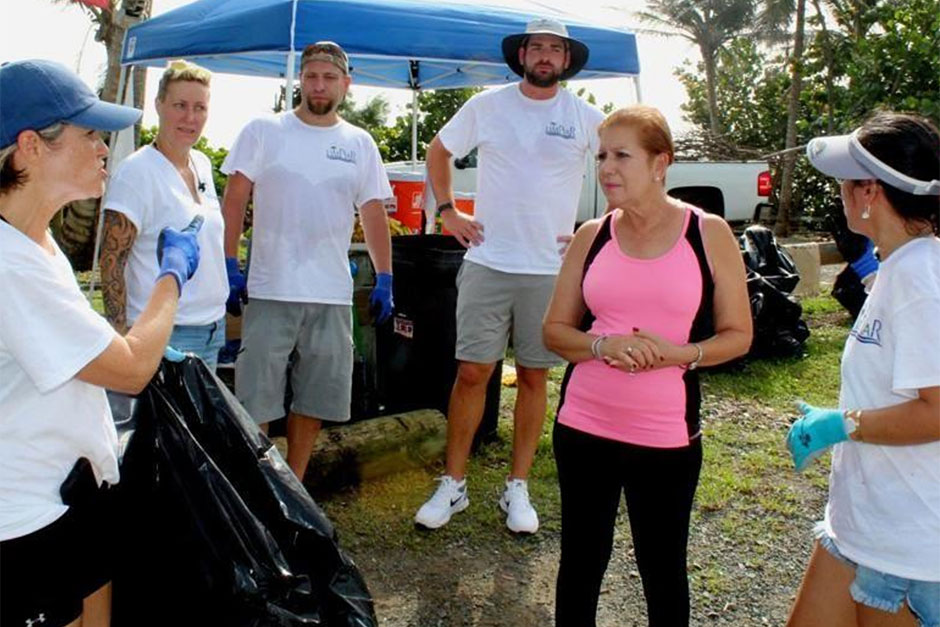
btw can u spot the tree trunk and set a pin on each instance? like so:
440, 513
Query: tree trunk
782, 227
711, 87
827, 56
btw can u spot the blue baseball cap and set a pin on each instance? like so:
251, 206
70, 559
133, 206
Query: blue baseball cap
37, 93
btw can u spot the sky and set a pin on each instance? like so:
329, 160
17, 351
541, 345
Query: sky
42, 29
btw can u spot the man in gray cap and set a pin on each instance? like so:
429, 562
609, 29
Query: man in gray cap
533, 139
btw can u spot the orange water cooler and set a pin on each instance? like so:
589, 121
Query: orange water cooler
408, 188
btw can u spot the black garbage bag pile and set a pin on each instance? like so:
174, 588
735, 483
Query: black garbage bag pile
848, 288
779, 330
213, 528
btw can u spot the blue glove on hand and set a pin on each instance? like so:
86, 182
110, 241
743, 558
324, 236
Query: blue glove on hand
178, 252
813, 434
237, 287
171, 354
381, 304
866, 263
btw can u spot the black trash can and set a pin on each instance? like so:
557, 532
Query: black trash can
415, 350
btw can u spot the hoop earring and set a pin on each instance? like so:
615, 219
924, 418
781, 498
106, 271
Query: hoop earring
866, 212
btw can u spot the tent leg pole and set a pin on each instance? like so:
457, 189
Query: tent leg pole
636, 89
414, 128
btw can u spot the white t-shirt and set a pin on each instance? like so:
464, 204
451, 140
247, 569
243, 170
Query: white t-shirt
48, 418
308, 182
148, 190
532, 157
884, 501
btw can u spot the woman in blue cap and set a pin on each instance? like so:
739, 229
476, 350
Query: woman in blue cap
877, 556
57, 440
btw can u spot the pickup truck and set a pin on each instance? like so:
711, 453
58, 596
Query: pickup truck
736, 190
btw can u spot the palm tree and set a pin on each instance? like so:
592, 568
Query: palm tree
782, 225
74, 228
709, 24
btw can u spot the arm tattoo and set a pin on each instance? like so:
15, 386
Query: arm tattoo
119, 236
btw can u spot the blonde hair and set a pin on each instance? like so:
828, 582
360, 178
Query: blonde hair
650, 125
182, 71
10, 177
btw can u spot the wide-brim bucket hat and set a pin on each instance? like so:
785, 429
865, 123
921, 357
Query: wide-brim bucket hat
545, 26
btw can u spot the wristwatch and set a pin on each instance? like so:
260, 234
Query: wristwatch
444, 206
852, 421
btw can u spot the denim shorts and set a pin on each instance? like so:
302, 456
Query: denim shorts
886, 592
203, 340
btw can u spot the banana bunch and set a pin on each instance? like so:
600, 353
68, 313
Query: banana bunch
394, 227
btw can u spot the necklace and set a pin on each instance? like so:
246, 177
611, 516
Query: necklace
200, 184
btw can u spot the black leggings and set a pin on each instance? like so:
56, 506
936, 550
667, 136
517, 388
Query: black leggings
659, 485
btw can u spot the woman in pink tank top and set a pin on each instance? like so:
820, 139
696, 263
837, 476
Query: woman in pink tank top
646, 295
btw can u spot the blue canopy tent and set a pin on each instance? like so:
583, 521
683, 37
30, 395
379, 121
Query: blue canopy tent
411, 44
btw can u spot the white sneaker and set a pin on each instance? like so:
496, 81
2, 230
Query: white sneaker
521, 516
449, 498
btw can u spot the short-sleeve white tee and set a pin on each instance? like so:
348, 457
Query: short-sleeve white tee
532, 157
308, 183
48, 418
148, 190
884, 501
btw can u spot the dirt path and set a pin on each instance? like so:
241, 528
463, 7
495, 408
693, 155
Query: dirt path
748, 548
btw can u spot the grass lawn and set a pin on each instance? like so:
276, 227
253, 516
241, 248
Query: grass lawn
744, 454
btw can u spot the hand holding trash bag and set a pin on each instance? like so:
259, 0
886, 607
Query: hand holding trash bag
813, 434
178, 252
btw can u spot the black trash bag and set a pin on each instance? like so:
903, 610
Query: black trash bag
848, 288
214, 529
779, 330
849, 291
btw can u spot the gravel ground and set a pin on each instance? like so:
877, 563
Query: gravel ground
745, 562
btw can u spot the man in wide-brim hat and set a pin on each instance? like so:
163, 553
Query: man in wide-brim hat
514, 51
534, 139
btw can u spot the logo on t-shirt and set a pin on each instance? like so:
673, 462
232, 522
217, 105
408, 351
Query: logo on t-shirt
559, 130
868, 333
336, 153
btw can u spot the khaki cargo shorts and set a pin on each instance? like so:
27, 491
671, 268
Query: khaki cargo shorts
318, 336
492, 305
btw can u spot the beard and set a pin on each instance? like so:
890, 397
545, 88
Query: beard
321, 107
538, 80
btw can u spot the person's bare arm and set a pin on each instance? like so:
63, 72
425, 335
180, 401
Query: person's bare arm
375, 228
916, 421
234, 202
129, 362
118, 239
465, 228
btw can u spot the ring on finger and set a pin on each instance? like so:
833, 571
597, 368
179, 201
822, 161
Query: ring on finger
629, 350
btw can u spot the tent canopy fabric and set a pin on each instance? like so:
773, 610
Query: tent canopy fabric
414, 44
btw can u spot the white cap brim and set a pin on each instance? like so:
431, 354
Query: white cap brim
831, 156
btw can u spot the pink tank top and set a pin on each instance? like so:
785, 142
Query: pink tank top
670, 296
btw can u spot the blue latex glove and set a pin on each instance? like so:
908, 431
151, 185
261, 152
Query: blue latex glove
178, 252
380, 301
237, 287
171, 354
353, 268
813, 434
866, 263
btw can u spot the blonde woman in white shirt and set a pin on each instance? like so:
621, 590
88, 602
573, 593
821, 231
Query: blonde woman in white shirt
167, 183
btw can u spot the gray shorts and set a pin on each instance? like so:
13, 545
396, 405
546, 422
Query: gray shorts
318, 337
491, 304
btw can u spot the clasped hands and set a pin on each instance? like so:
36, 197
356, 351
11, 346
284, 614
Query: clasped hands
640, 350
